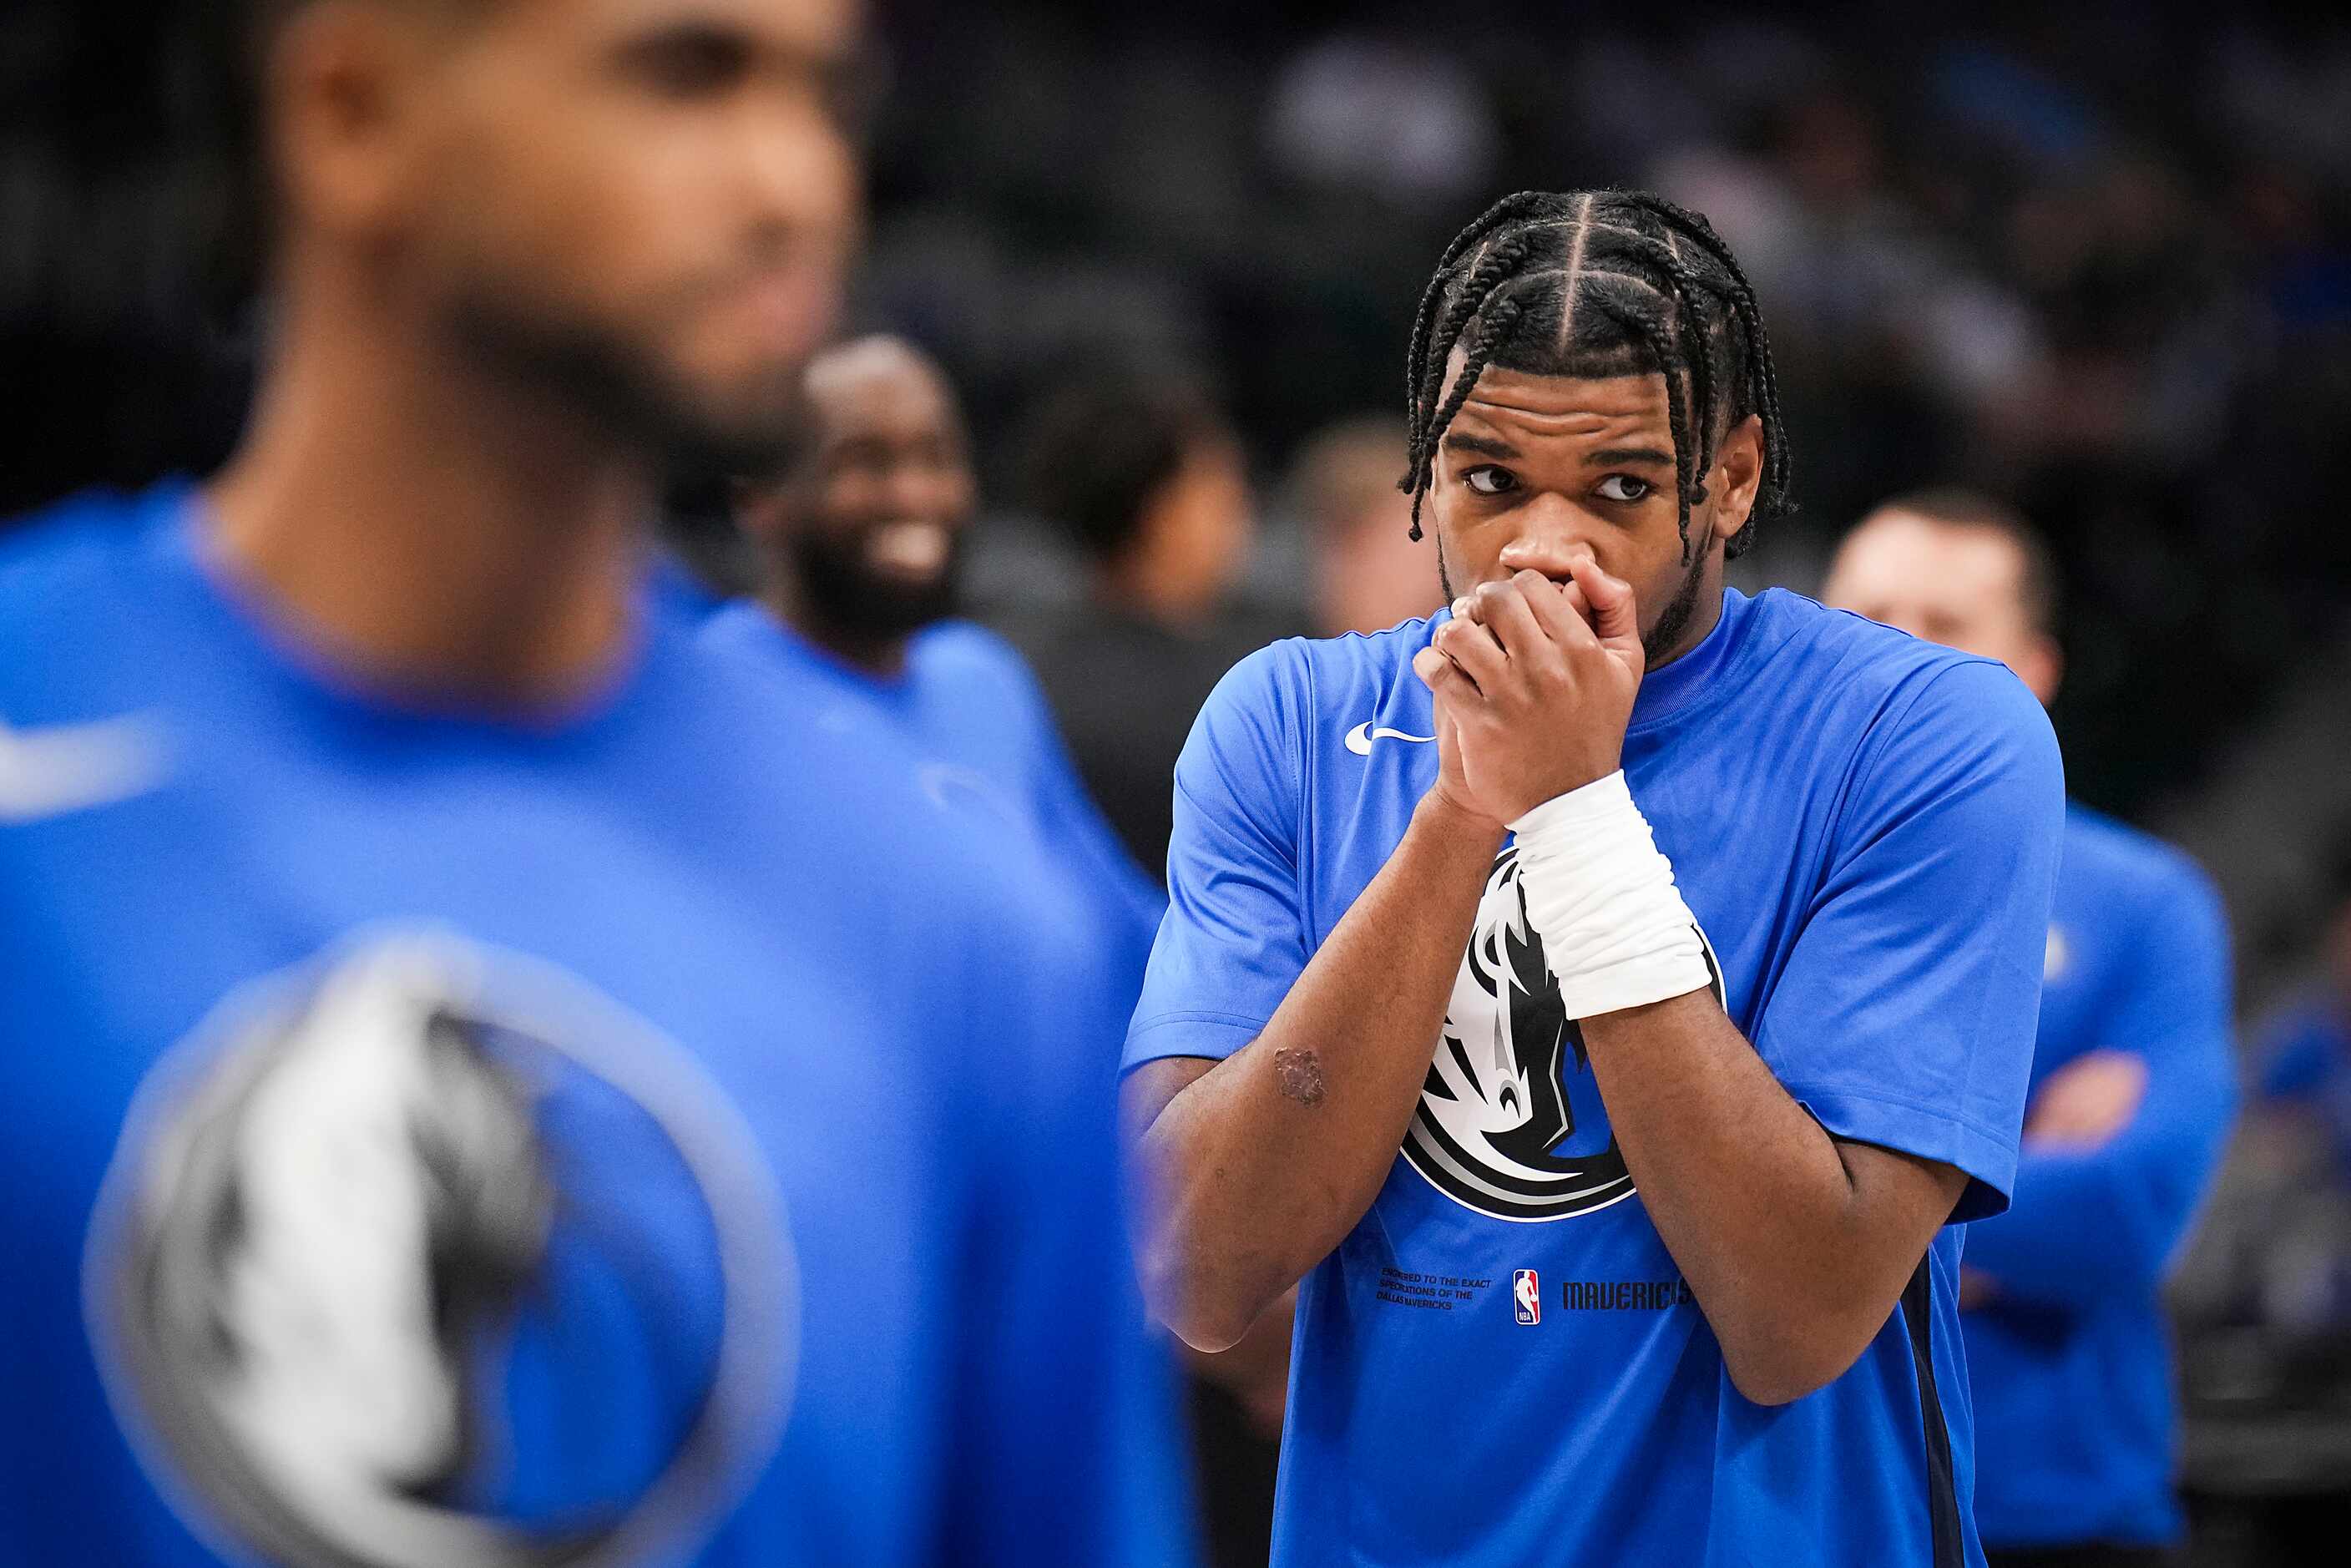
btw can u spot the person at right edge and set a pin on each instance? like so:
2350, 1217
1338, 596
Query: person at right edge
2061, 1298
1607, 997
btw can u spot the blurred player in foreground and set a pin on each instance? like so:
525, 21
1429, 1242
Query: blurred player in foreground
858, 544
487, 1094
2077, 1426
1607, 993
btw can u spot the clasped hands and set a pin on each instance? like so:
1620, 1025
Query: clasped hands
1534, 682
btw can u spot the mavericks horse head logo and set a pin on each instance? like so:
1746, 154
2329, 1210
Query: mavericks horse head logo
384, 1234
1510, 1122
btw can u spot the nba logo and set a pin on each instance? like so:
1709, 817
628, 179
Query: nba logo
1526, 1293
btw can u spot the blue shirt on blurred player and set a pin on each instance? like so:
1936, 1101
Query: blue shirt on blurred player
2077, 1421
1501, 1364
651, 1128
966, 704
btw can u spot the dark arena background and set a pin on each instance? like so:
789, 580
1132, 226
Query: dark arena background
2094, 260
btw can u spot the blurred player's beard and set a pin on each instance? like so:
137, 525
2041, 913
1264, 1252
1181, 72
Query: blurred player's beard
606, 376
840, 585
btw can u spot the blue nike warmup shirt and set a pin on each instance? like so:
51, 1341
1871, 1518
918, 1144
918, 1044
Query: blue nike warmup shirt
651, 1132
1501, 1365
2077, 1421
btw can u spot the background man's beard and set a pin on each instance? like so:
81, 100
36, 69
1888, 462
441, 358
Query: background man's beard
839, 587
616, 386
1658, 642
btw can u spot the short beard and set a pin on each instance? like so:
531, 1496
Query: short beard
841, 593
1658, 642
623, 391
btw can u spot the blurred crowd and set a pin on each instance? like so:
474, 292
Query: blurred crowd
2096, 262
2095, 259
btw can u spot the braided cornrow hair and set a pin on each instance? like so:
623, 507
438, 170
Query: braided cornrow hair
1600, 283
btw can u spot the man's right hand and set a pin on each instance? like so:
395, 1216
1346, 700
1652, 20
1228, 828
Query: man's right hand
1539, 695
1452, 789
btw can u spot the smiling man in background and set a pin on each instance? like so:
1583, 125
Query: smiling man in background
859, 542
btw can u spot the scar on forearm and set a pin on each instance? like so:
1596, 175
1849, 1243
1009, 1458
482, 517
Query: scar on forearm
1298, 1074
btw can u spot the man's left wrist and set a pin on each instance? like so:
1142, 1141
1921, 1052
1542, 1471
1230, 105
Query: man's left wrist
1615, 931
1598, 797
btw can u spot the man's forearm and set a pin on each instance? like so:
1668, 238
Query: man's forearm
2087, 1225
2082, 1228
2100, 1209
1796, 1246
1263, 1164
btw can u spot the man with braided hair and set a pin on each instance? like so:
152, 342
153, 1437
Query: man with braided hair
1605, 996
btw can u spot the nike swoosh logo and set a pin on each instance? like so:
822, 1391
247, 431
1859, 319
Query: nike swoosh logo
65, 767
1360, 738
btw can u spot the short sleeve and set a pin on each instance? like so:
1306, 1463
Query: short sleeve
1234, 939
1906, 1012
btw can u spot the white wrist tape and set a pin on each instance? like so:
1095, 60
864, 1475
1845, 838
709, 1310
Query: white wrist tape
1613, 926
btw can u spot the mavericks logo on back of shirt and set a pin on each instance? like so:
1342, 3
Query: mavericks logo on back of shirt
1510, 1122
425, 1255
